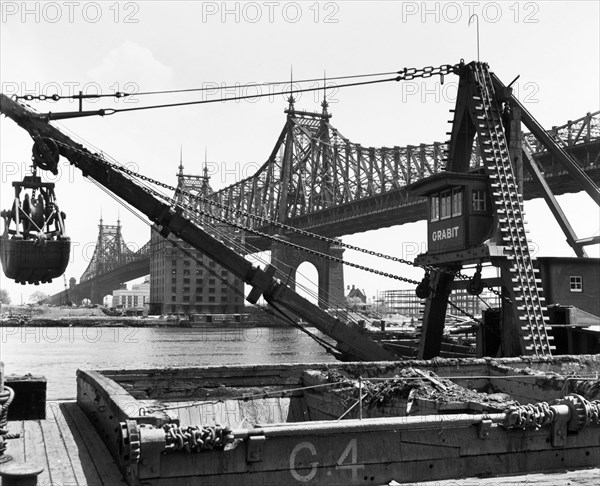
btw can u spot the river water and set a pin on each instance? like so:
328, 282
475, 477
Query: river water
57, 352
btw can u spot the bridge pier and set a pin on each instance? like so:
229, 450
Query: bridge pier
331, 274
98, 291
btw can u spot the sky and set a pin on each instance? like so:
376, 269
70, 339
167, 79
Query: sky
65, 47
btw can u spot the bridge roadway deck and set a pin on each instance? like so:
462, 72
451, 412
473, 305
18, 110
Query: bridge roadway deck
397, 207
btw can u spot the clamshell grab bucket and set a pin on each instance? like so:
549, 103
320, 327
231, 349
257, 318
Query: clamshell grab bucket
26, 261
33, 246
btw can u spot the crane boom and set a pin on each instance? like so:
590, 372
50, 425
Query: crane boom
350, 341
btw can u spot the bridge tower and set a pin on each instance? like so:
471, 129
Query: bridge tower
110, 253
307, 150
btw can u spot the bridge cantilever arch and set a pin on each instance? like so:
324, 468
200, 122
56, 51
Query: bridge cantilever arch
112, 263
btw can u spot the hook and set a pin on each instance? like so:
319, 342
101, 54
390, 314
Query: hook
477, 18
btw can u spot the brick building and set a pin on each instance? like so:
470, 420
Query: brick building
183, 280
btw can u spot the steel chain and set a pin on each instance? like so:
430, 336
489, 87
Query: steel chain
295, 230
542, 414
280, 225
532, 415
194, 438
57, 97
269, 221
310, 251
408, 74
284, 242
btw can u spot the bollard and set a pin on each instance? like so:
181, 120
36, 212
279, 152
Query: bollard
20, 474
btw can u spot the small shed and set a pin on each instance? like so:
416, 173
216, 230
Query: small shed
459, 210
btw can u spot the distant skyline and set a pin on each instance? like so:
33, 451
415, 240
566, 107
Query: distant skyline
65, 47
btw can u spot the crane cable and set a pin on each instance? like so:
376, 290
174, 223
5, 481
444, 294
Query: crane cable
307, 250
286, 227
111, 111
122, 94
171, 201
333, 350
405, 74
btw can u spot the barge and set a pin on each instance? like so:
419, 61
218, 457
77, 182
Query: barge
347, 424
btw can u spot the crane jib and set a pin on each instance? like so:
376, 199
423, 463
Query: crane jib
355, 344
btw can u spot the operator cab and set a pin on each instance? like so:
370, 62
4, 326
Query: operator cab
459, 210
33, 245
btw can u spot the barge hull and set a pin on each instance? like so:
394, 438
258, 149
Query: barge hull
298, 450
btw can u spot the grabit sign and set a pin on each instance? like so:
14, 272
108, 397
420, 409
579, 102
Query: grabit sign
445, 234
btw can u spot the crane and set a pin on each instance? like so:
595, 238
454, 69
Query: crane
51, 143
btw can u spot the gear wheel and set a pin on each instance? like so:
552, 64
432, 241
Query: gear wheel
578, 407
129, 442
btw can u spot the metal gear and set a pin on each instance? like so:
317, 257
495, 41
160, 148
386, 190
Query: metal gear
129, 442
579, 407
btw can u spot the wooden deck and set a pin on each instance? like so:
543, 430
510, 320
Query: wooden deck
579, 477
67, 446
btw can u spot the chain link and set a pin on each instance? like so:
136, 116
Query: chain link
408, 74
57, 97
194, 438
534, 416
299, 231
309, 250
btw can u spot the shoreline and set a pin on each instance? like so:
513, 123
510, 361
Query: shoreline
114, 321
49, 316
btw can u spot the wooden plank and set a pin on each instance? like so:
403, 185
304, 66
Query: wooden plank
73, 455
83, 464
582, 477
61, 470
105, 465
194, 411
35, 449
182, 412
299, 411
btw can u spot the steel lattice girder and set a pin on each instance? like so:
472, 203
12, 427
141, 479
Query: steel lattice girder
330, 171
